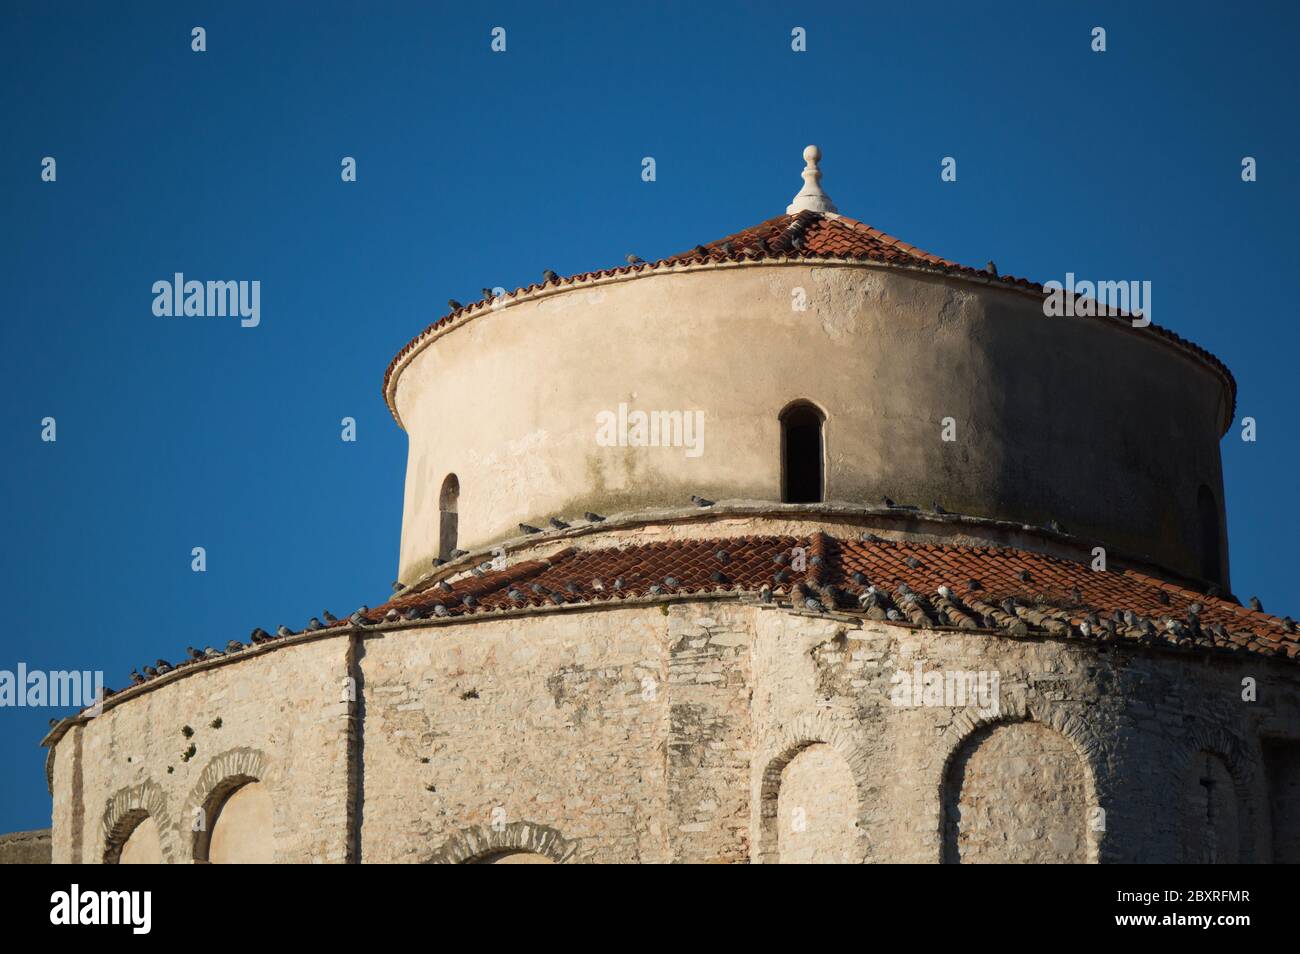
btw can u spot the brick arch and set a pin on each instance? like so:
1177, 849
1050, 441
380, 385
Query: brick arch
477, 842
1242, 767
123, 813
1086, 744
807, 729
223, 774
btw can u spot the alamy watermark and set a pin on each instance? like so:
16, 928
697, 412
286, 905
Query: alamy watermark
1087, 299
195, 299
36, 688
947, 688
629, 428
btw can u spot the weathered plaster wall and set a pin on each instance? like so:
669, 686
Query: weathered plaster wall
1105, 429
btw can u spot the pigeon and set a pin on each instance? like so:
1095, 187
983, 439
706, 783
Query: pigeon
1009, 607
765, 593
136, 678
234, 646
701, 501
573, 588
799, 243
283, 630
259, 635
913, 562
1024, 576
727, 248
438, 561
656, 589
478, 571
1163, 597
527, 528
53, 723
598, 586
1075, 595
164, 667
314, 624
814, 605
150, 671
991, 269
889, 503
444, 586
618, 583
938, 508
392, 614
1055, 526
357, 619
945, 592
412, 613
439, 610
549, 276
329, 617
469, 600
894, 614
457, 554
973, 585
398, 586
1256, 605
210, 653
559, 524
515, 595
670, 581
454, 305
592, 517
634, 260
193, 653
717, 576
722, 556
858, 577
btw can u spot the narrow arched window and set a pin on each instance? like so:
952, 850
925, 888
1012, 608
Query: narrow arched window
447, 501
802, 477
1211, 545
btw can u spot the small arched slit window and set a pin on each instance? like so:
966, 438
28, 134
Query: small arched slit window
802, 473
1207, 509
447, 501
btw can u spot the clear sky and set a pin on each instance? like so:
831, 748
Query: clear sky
480, 169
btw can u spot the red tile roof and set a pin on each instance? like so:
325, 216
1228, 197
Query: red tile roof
802, 235
883, 579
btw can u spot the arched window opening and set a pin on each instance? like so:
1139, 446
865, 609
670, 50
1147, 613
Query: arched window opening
134, 841
447, 502
802, 478
1212, 826
817, 810
234, 823
1211, 557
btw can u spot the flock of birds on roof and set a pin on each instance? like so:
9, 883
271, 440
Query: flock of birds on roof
789, 240
902, 604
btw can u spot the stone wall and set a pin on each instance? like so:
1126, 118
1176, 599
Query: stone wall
691, 732
25, 848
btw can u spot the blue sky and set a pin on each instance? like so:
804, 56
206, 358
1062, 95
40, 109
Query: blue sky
479, 169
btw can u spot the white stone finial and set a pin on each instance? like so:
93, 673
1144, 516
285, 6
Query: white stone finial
811, 197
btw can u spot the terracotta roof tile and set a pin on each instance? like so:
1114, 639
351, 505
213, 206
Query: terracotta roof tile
970, 587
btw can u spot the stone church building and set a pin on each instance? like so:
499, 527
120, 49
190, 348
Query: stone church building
803, 545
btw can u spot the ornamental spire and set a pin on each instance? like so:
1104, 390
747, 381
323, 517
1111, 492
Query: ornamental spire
811, 197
